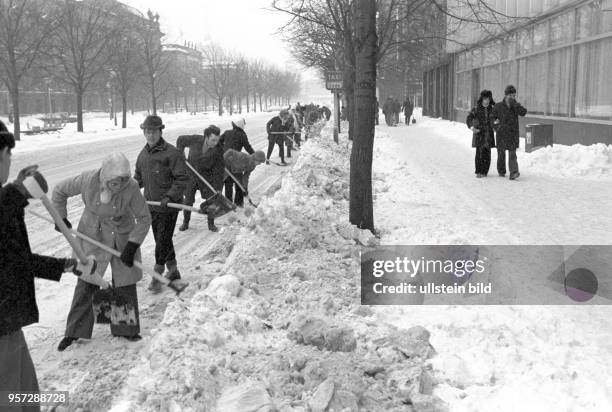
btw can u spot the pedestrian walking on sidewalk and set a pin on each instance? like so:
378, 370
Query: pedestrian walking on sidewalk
388, 111
211, 166
161, 170
236, 139
397, 109
505, 115
115, 213
408, 109
18, 268
480, 122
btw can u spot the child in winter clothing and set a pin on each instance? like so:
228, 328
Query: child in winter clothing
211, 166
241, 165
480, 121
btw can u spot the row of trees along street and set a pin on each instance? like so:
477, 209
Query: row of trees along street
359, 37
104, 46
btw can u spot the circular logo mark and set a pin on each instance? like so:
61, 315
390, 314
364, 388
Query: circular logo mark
581, 285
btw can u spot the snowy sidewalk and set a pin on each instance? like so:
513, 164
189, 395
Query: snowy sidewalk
503, 358
427, 172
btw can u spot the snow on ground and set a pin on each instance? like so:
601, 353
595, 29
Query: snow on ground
98, 126
503, 358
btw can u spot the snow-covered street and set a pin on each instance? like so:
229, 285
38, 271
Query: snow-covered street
275, 274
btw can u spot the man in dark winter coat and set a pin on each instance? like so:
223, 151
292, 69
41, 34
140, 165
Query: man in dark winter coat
235, 139
505, 115
161, 170
194, 143
18, 268
397, 109
275, 128
388, 111
480, 122
211, 166
408, 108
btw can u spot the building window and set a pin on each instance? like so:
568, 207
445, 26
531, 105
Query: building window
559, 81
603, 18
509, 47
476, 57
522, 8
511, 7
533, 73
540, 36
593, 88
509, 75
536, 7
583, 21
560, 29
492, 79
464, 87
525, 41
492, 52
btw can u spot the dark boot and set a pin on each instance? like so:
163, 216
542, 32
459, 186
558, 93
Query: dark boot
67, 341
173, 272
155, 286
211, 225
186, 219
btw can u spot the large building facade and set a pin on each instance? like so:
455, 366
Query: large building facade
557, 53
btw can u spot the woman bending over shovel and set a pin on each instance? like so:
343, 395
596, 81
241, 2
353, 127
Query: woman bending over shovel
115, 214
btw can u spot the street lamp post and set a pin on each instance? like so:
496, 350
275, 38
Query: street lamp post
195, 101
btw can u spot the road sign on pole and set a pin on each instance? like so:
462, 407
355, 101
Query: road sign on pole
333, 80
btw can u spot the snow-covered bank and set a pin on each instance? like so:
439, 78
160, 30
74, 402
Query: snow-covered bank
98, 126
280, 326
576, 161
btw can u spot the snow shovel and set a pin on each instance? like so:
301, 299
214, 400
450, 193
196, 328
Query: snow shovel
240, 186
177, 206
217, 205
287, 135
33, 187
177, 285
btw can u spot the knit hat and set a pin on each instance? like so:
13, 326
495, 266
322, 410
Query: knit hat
152, 122
510, 89
113, 166
239, 122
259, 156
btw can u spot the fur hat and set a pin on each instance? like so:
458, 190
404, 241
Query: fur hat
113, 166
152, 122
486, 94
239, 122
259, 156
510, 89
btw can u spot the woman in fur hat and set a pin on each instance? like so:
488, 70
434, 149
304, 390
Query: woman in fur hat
115, 213
480, 122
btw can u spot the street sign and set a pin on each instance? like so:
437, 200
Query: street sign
333, 80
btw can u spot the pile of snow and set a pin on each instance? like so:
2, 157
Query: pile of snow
591, 162
281, 327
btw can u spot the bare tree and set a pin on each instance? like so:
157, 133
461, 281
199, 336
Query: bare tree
156, 62
125, 64
80, 44
361, 208
219, 65
25, 25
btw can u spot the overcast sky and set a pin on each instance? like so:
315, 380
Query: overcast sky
241, 25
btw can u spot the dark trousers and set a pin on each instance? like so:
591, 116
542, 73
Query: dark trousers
389, 119
17, 373
238, 198
163, 224
512, 161
483, 160
281, 149
81, 319
376, 121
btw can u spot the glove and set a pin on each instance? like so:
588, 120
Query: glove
66, 222
127, 256
245, 193
164, 202
78, 268
25, 172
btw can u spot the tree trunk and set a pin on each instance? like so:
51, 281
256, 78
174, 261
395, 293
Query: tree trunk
361, 204
79, 110
153, 97
260, 106
124, 109
220, 106
240, 104
247, 102
16, 113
